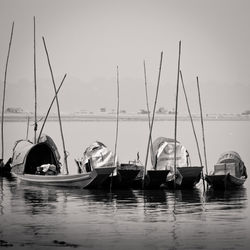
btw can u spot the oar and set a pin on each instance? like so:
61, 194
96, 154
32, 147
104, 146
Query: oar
4, 89
202, 125
152, 122
176, 108
191, 119
51, 104
35, 125
58, 109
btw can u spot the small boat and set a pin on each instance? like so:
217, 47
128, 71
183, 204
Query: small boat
186, 176
39, 164
98, 157
229, 172
5, 168
123, 177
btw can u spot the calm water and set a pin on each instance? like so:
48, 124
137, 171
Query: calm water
38, 217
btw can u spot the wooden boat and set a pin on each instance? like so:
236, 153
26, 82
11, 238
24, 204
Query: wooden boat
190, 176
186, 176
39, 164
124, 176
98, 157
5, 168
229, 172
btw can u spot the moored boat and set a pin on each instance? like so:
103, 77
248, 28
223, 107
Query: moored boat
98, 157
186, 176
123, 177
229, 172
40, 164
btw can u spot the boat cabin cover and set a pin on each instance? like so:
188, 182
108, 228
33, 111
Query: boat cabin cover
231, 157
162, 154
98, 155
28, 156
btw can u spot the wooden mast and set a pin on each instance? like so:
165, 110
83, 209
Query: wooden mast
176, 108
51, 104
202, 125
117, 111
148, 110
4, 90
152, 122
191, 119
35, 85
58, 110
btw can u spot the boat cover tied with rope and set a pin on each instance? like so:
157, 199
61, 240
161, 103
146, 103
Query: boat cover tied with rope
97, 155
162, 157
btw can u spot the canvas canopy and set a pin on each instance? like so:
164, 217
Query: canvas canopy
233, 157
28, 156
162, 155
98, 155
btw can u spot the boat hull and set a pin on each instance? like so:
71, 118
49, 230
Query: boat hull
224, 182
190, 177
77, 180
154, 179
102, 175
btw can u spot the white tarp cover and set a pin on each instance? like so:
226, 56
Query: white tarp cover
162, 157
20, 151
98, 155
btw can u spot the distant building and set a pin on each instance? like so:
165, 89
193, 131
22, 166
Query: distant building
14, 110
247, 112
143, 111
161, 110
102, 110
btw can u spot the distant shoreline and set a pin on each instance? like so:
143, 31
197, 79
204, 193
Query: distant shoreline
124, 117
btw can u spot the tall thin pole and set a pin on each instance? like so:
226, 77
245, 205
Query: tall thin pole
176, 109
148, 110
191, 119
28, 125
58, 109
152, 122
202, 125
35, 126
117, 111
117, 121
51, 104
4, 89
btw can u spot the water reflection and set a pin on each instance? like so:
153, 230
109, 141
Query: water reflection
180, 219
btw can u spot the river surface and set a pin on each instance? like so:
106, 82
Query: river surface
40, 217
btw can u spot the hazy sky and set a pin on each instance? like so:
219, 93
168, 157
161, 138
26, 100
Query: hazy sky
87, 39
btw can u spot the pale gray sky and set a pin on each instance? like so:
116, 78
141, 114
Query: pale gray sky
87, 39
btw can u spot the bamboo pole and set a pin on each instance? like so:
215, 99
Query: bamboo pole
35, 85
152, 122
117, 121
117, 111
191, 119
176, 108
58, 109
4, 89
27, 131
148, 110
202, 125
51, 104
